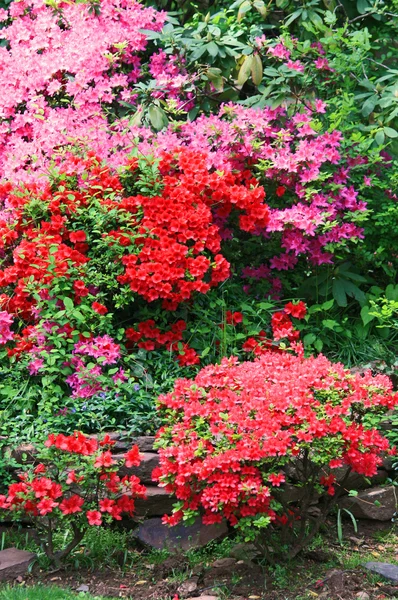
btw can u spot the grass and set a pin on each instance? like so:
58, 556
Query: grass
42, 593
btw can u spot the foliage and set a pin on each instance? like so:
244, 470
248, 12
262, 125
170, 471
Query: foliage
234, 435
99, 265
75, 486
42, 593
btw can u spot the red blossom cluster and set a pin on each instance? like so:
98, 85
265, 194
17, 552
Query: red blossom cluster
181, 248
282, 328
169, 244
89, 487
231, 432
149, 337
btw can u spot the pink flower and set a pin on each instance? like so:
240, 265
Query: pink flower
35, 366
6, 334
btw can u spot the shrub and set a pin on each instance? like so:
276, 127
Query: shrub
237, 433
75, 486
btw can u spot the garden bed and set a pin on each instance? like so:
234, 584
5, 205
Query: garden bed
226, 570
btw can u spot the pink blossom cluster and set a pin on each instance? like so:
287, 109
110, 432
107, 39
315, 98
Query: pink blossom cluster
171, 79
85, 381
305, 175
5, 323
60, 73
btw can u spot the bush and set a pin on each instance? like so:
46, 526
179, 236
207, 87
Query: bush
236, 433
74, 487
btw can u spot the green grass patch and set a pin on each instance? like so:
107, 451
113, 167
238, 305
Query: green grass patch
42, 593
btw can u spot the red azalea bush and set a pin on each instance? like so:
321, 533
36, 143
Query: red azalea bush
236, 433
74, 486
163, 245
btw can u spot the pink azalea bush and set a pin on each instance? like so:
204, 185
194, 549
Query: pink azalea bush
61, 72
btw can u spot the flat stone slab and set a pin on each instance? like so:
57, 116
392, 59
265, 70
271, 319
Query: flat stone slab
153, 533
14, 562
378, 503
157, 503
387, 570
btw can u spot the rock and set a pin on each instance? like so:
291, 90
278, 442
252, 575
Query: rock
157, 503
153, 533
83, 588
335, 581
204, 598
14, 562
144, 442
188, 586
388, 464
363, 506
24, 454
318, 555
223, 563
355, 481
244, 551
149, 461
385, 569
362, 596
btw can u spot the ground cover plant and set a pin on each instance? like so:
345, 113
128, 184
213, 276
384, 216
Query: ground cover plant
196, 201
43, 593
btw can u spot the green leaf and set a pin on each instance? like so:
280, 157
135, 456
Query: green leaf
338, 292
318, 345
212, 49
243, 9
295, 15
260, 6
157, 117
390, 132
257, 69
328, 305
329, 324
365, 316
68, 303
245, 70
369, 106
362, 6
309, 339
379, 138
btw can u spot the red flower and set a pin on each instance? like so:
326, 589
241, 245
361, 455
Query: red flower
276, 479
106, 505
280, 190
107, 441
298, 310
71, 505
80, 288
99, 308
133, 457
104, 460
46, 505
94, 517
234, 318
77, 236
39, 469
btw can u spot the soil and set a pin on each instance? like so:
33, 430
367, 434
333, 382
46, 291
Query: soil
324, 573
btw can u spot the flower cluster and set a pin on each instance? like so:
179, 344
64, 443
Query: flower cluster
305, 174
148, 336
75, 486
282, 329
231, 433
60, 85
